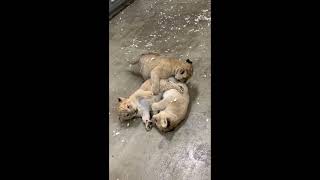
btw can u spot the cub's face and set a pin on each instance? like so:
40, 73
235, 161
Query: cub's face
184, 72
126, 109
163, 123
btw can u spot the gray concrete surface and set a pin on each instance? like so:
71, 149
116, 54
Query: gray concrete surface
179, 28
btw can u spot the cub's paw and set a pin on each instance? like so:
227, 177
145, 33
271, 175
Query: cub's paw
172, 80
155, 90
148, 125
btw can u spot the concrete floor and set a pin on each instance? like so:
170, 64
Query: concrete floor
179, 28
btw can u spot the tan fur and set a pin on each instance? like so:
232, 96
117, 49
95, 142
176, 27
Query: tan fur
173, 109
132, 107
156, 67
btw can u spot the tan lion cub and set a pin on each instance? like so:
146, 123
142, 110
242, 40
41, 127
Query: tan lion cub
156, 67
173, 108
138, 104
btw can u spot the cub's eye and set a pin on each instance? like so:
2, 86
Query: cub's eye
182, 72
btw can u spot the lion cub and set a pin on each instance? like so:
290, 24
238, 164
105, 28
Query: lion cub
173, 109
156, 67
138, 104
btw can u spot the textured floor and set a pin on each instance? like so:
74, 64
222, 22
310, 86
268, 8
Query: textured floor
179, 28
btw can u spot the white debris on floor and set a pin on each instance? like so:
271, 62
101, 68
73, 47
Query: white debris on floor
115, 133
148, 45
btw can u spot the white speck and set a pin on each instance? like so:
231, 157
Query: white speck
207, 120
109, 113
205, 10
184, 25
117, 133
128, 124
175, 100
149, 44
204, 75
190, 47
198, 103
122, 140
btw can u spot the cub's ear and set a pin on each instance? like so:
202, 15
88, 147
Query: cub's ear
188, 61
120, 99
164, 123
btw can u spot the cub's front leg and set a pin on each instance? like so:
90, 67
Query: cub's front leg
155, 80
143, 94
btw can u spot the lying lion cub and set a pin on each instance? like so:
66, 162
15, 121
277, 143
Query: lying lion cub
138, 104
156, 67
173, 108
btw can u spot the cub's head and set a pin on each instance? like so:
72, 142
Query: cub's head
163, 123
184, 71
126, 109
